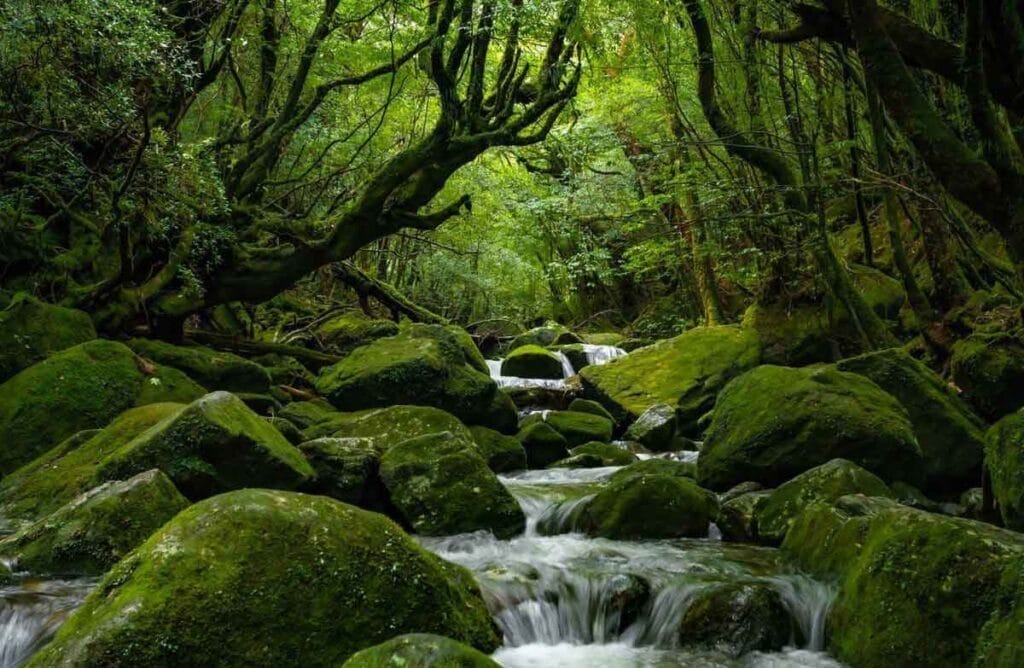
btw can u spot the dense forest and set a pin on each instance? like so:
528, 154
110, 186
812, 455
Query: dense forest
458, 333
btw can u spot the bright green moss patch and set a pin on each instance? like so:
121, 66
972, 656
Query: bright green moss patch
531, 361
990, 371
213, 369
667, 467
346, 469
578, 428
305, 414
608, 454
348, 331
31, 330
387, 427
420, 650
258, 577
590, 406
502, 453
543, 445
649, 506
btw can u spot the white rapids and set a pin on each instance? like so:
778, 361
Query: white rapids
596, 355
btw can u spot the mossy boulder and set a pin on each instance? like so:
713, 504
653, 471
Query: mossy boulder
686, 372
604, 339
543, 445
655, 428
826, 483
31, 330
270, 578
343, 333
583, 460
287, 429
912, 584
657, 466
387, 427
95, 530
950, 435
424, 365
501, 452
420, 650
607, 454
546, 335
213, 369
590, 406
1005, 461
990, 371
774, 423
306, 414
502, 415
83, 387
531, 361
649, 506
346, 469
737, 517
286, 370
441, 485
737, 618
577, 428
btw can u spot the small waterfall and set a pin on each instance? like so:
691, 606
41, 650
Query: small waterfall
595, 355
567, 370
32, 611
602, 354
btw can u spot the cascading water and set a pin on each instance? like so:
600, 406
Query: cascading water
31, 611
596, 355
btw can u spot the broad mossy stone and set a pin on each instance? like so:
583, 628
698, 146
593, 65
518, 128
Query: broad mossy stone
546, 335
501, 452
531, 361
470, 352
346, 469
773, 423
343, 333
543, 445
990, 371
736, 619
424, 365
213, 445
501, 415
912, 584
655, 428
1004, 458
286, 370
420, 650
685, 372
950, 435
649, 506
608, 454
657, 466
387, 427
441, 485
95, 530
590, 406
604, 339
65, 471
261, 577
305, 414
83, 387
213, 369
31, 330
737, 517
826, 483
579, 428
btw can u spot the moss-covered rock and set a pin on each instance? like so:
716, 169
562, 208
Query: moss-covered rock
501, 415
737, 517
583, 460
686, 372
590, 406
737, 618
531, 361
502, 453
826, 483
604, 339
92, 532
420, 650
948, 432
1004, 458
424, 365
306, 414
669, 467
773, 423
576, 353
83, 387
655, 428
260, 577
912, 584
286, 370
607, 454
547, 335
649, 506
543, 445
213, 369
343, 333
441, 485
31, 330
346, 469
577, 428
287, 429
387, 427
990, 371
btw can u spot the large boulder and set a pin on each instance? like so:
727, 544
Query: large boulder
441, 485
736, 619
420, 650
543, 445
306, 414
346, 469
607, 453
268, 578
649, 506
686, 372
826, 483
424, 365
667, 467
83, 387
343, 333
1004, 458
655, 428
575, 427
387, 427
92, 532
913, 584
950, 435
990, 371
737, 516
31, 330
502, 453
773, 423
579, 405
547, 335
532, 362
213, 369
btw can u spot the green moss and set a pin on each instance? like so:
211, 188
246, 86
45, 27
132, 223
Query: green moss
530, 361
576, 353
286, 428
347, 470
736, 619
737, 518
990, 371
31, 330
441, 485
649, 506
346, 332
655, 428
1004, 458
502, 453
213, 369
543, 445
583, 460
948, 432
578, 428
828, 482
258, 577
590, 406
550, 334
604, 339
774, 423
305, 414
92, 532
607, 454
501, 415
420, 650
667, 467
387, 427
686, 372
83, 387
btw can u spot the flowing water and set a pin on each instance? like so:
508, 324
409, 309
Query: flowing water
32, 610
595, 355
